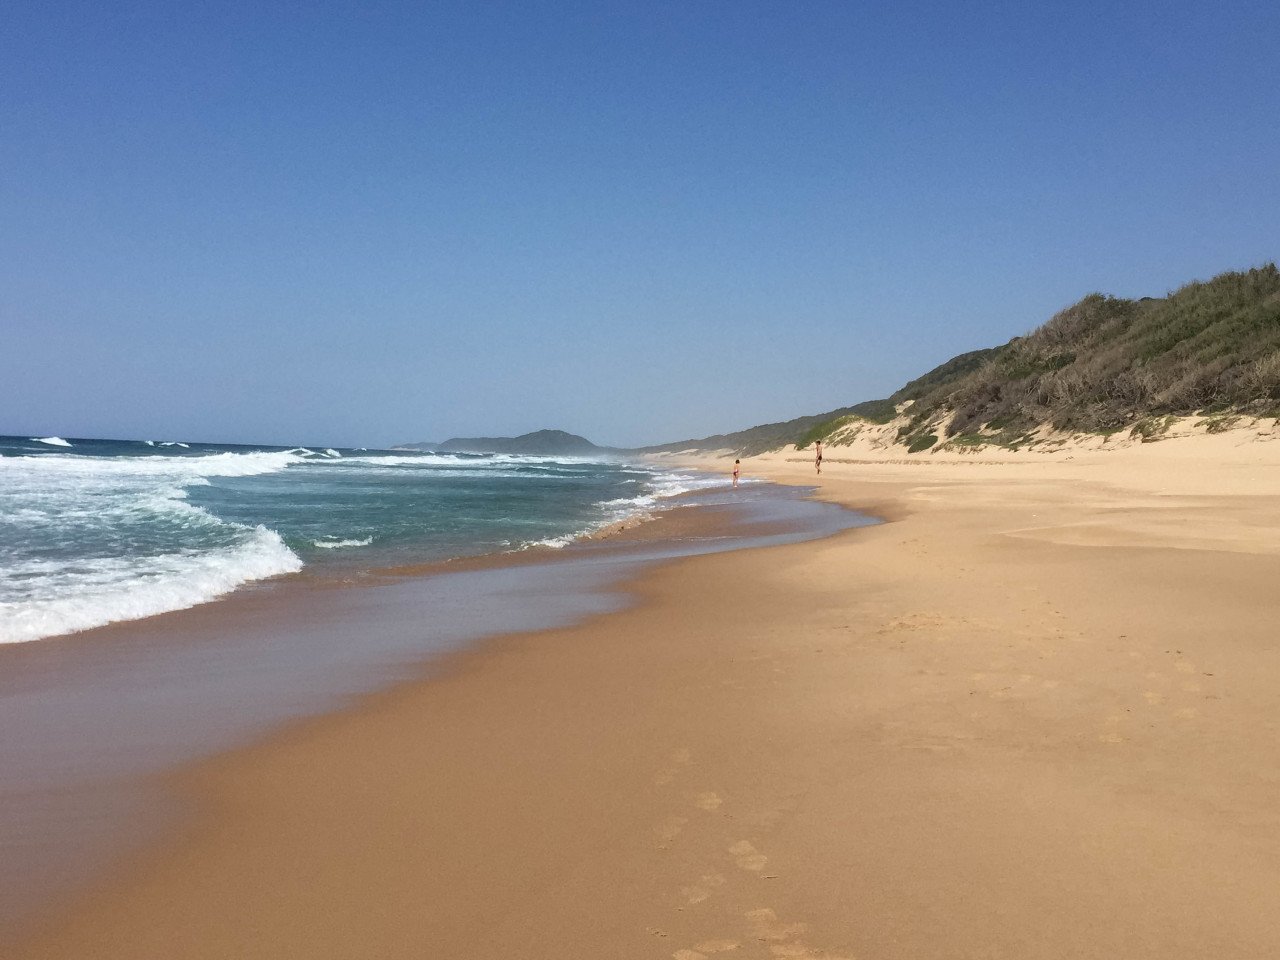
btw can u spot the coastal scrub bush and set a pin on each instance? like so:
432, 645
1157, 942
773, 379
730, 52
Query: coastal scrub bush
1219, 424
877, 411
775, 436
1262, 377
821, 431
1099, 366
943, 376
1106, 363
923, 442
1151, 429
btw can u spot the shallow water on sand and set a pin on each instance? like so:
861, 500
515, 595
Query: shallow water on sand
91, 719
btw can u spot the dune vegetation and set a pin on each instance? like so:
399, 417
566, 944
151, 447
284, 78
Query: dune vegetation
1103, 365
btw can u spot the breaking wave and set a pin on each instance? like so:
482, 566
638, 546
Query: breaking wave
61, 599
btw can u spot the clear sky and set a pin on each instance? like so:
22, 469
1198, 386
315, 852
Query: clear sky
363, 223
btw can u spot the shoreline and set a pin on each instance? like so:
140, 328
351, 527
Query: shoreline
102, 714
1033, 716
199, 546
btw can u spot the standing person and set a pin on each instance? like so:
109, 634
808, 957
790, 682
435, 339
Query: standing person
737, 465
817, 455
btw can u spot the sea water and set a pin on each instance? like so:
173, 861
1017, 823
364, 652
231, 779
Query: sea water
99, 531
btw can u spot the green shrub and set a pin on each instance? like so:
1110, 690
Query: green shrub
923, 442
820, 431
1107, 362
1219, 424
1151, 429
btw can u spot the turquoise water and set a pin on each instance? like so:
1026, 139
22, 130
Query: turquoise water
99, 531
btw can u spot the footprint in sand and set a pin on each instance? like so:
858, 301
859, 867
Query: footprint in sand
1153, 698
716, 946
707, 800
670, 828
667, 774
801, 951
705, 887
765, 925
702, 950
747, 856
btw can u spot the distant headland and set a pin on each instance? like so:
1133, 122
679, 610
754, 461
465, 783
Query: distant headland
539, 443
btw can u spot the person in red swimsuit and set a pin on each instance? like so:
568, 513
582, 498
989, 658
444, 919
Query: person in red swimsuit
737, 465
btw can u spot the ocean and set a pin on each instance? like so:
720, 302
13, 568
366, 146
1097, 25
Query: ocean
100, 531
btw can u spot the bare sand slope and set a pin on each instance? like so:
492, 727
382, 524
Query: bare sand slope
1036, 715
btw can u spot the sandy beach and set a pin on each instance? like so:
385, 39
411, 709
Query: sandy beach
1035, 714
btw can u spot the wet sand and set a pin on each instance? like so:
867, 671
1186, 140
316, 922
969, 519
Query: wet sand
94, 721
1035, 715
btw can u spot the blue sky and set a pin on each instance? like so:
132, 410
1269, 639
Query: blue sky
367, 223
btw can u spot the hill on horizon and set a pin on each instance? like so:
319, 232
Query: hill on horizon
1101, 365
771, 436
538, 443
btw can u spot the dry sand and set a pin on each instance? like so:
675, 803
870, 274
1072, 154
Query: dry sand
1035, 715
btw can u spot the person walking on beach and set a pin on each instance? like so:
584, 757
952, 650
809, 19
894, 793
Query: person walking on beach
817, 455
737, 465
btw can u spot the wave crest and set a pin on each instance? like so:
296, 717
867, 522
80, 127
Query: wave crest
110, 590
328, 544
211, 465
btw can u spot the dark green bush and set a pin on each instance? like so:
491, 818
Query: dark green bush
923, 442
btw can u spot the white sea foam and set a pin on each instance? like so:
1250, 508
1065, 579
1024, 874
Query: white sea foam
673, 484
99, 539
84, 536
537, 458
556, 543
176, 443
211, 465
411, 460
149, 443
51, 441
330, 452
328, 544
96, 592
659, 487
